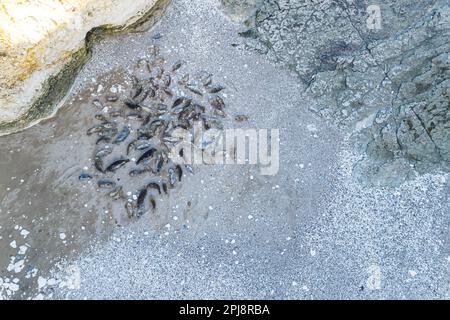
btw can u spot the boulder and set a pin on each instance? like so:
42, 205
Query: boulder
44, 42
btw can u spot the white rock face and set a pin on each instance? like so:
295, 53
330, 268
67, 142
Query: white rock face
38, 38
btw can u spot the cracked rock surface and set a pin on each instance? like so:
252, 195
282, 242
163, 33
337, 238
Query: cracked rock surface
387, 86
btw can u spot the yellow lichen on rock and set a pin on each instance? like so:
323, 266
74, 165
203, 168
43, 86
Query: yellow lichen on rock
29, 65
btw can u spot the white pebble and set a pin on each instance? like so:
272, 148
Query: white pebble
23, 249
42, 282
24, 233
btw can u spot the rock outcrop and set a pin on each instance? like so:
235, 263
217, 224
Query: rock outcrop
386, 83
42, 43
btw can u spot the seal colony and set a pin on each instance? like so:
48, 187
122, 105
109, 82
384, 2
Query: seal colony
133, 134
